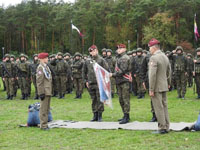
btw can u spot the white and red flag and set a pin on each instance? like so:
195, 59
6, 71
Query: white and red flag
75, 28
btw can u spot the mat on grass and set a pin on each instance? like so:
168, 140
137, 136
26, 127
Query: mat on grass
115, 125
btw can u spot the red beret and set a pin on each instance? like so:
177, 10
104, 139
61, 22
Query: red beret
153, 42
121, 46
43, 55
93, 47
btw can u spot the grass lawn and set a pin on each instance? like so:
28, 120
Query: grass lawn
13, 113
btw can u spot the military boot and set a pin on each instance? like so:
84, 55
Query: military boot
8, 96
36, 96
80, 96
95, 117
112, 95
23, 96
121, 118
26, 96
55, 94
125, 120
154, 119
60, 96
99, 116
11, 97
77, 95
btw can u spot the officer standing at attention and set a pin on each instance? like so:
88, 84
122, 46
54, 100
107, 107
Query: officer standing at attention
159, 82
122, 76
91, 81
44, 86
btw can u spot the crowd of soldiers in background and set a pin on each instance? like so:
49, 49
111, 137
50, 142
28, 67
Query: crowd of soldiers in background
19, 73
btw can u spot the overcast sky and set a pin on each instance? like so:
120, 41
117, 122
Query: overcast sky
14, 2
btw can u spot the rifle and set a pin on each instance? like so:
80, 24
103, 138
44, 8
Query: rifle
4, 67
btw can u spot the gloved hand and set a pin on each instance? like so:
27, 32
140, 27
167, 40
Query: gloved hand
42, 96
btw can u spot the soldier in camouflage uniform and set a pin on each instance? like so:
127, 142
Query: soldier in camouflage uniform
63, 70
77, 66
190, 69
15, 86
52, 66
23, 76
104, 53
111, 63
134, 82
196, 72
9, 75
180, 71
122, 76
138, 62
91, 82
29, 78
33, 68
69, 83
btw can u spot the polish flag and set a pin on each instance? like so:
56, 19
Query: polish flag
75, 28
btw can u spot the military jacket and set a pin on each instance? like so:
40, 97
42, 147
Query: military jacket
77, 66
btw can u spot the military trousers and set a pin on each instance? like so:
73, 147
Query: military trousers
134, 85
113, 85
159, 101
140, 86
24, 85
97, 105
197, 81
61, 81
9, 83
124, 96
35, 85
190, 79
181, 82
44, 111
78, 85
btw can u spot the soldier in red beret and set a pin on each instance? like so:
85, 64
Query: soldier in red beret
159, 82
44, 86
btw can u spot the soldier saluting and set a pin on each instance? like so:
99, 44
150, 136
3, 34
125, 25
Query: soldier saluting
44, 86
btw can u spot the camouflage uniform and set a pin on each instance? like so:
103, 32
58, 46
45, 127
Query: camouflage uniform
33, 68
90, 78
111, 63
104, 53
16, 85
29, 81
77, 66
197, 73
133, 69
63, 70
180, 71
122, 70
138, 63
69, 83
190, 70
23, 76
9, 74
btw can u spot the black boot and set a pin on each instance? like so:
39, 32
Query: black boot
26, 96
8, 96
60, 96
80, 96
99, 116
77, 96
154, 119
23, 97
15, 94
112, 95
95, 117
63, 96
125, 120
11, 97
36, 97
121, 118
55, 94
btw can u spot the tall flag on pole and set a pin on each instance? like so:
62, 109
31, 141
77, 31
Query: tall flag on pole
196, 33
104, 84
75, 28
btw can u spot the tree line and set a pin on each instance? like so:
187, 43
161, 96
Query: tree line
34, 26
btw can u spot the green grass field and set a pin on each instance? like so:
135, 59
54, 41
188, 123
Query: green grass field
13, 113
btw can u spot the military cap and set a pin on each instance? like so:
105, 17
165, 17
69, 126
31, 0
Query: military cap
84, 55
145, 51
129, 53
134, 51
109, 50
179, 48
6, 55
52, 55
104, 50
153, 42
35, 55
12, 56
67, 54
59, 53
43, 55
139, 50
121, 46
77, 54
198, 49
22, 55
